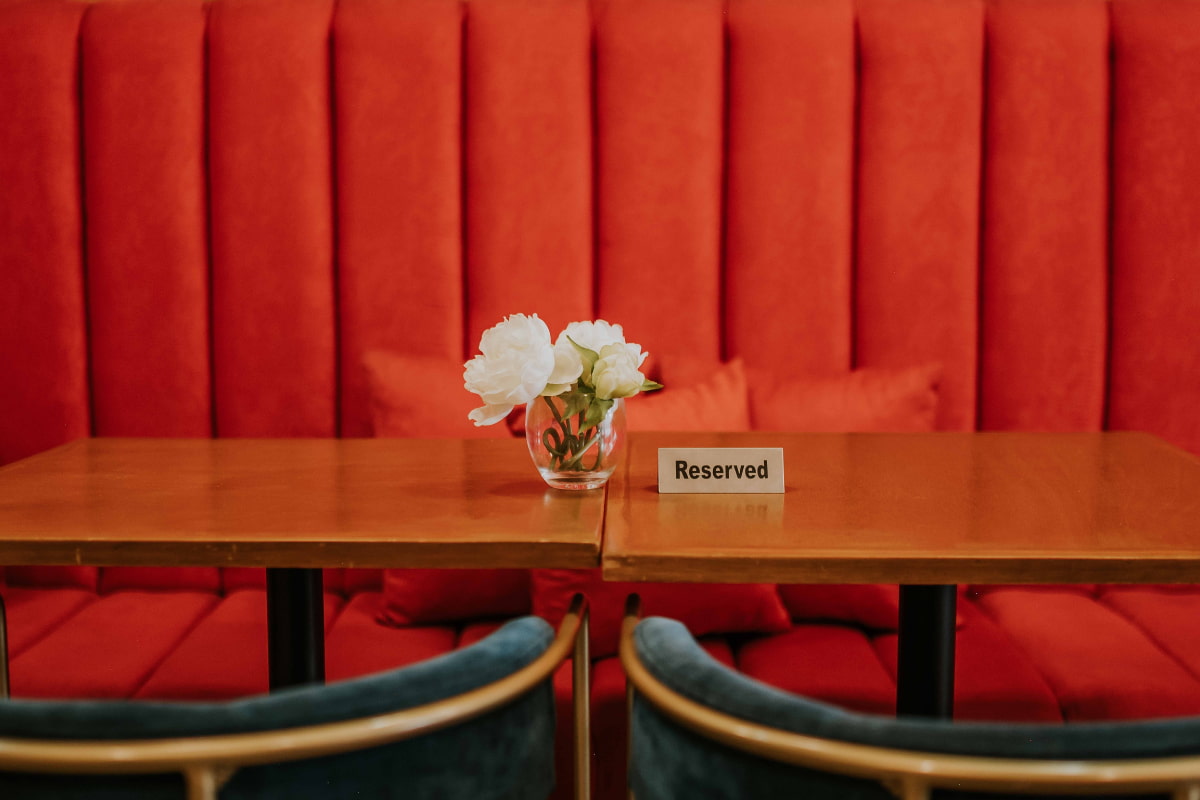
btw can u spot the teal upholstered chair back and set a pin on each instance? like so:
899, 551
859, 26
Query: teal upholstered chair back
501, 754
702, 730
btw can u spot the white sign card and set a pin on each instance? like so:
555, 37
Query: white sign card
720, 470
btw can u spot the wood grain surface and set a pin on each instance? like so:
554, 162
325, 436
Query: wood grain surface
918, 508
293, 503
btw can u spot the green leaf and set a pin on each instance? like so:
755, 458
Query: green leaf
576, 401
596, 412
590, 357
650, 386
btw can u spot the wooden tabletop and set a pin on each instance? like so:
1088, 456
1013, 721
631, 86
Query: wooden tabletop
918, 508
293, 503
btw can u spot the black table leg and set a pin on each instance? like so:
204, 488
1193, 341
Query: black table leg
925, 671
295, 627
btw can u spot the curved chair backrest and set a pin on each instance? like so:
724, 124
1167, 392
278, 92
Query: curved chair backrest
701, 729
474, 723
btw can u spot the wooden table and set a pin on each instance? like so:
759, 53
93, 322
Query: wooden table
926, 511
294, 506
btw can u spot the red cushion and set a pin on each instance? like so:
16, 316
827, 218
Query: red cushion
704, 608
110, 647
43, 317
201, 579
146, 208
334, 579
419, 397
359, 579
993, 677
787, 283
473, 632
357, 644
527, 161
1166, 614
270, 219
977, 590
869, 605
659, 116
1098, 663
716, 401
399, 210
418, 596
874, 606
225, 655
832, 663
32, 614
917, 200
865, 400
1154, 296
235, 578
78, 577
1044, 308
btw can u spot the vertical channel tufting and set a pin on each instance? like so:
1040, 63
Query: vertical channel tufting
397, 100
147, 237
789, 215
918, 191
659, 106
1045, 253
271, 209
43, 346
528, 161
1155, 360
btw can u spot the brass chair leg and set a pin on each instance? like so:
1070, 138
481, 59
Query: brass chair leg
3, 651
907, 789
581, 694
633, 610
1189, 791
628, 736
202, 783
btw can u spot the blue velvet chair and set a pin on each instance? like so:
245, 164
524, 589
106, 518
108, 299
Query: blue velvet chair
476, 724
702, 730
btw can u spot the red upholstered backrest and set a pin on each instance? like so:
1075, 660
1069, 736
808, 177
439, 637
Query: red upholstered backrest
210, 211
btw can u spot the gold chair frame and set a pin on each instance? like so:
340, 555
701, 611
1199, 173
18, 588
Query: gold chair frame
207, 762
907, 774
3, 650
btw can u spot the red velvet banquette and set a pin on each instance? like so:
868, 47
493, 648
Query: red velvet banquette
296, 217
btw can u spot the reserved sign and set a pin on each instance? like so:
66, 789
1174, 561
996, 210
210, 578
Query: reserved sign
720, 470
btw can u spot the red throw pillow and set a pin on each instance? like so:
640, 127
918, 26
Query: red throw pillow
716, 401
75, 577
874, 606
197, 579
863, 401
422, 398
420, 596
703, 607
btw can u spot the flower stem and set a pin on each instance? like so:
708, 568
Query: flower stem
568, 448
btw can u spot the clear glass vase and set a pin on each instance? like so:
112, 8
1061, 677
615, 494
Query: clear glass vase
567, 452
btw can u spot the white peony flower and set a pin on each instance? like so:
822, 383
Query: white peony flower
516, 364
568, 366
616, 373
594, 336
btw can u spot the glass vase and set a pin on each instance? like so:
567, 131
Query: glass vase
567, 452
